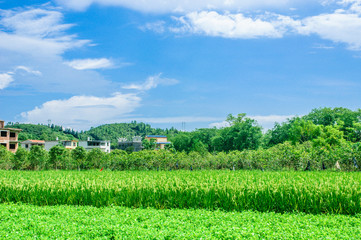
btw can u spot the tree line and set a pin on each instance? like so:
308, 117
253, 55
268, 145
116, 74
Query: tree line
325, 138
283, 156
322, 127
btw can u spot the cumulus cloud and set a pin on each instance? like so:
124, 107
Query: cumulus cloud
152, 82
161, 6
5, 80
91, 63
81, 112
229, 25
340, 27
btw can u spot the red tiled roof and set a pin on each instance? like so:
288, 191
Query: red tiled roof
37, 141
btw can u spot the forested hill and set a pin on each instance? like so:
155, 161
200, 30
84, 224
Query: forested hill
104, 132
126, 130
41, 132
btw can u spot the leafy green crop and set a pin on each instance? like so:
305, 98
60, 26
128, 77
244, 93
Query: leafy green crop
308, 192
84, 222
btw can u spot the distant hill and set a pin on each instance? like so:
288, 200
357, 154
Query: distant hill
125, 130
104, 132
41, 132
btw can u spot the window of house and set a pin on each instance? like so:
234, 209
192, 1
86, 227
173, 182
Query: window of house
3, 144
12, 146
26, 145
4, 134
12, 134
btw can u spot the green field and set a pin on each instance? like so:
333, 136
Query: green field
86, 222
307, 192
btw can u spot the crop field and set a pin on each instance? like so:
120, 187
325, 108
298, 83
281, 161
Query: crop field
21, 221
280, 192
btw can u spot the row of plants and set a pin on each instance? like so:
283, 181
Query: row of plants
285, 156
84, 222
287, 191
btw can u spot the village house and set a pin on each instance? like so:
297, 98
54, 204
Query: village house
160, 140
135, 144
88, 145
9, 137
69, 144
29, 143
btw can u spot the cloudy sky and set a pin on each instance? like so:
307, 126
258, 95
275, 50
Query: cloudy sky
89, 62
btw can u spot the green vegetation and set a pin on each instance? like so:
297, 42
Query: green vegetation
104, 132
127, 130
308, 192
285, 156
323, 127
84, 222
41, 132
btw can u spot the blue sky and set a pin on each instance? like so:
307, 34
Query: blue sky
90, 62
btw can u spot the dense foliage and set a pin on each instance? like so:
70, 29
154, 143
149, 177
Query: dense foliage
323, 126
285, 156
41, 132
104, 132
125, 130
84, 222
308, 192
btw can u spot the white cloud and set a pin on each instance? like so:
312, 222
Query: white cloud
32, 38
186, 119
337, 27
81, 112
267, 122
5, 80
161, 6
222, 124
28, 70
229, 25
157, 27
91, 63
36, 32
152, 82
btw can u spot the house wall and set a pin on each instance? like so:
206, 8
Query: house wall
11, 143
158, 139
89, 145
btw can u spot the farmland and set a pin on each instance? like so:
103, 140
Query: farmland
281, 192
20, 221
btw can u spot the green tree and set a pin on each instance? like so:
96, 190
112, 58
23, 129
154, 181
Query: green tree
95, 157
244, 133
79, 156
6, 159
302, 131
58, 156
149, 144
21, 159
182, 142
38, 157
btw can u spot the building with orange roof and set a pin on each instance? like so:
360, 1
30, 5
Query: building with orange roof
29, 143
9, 137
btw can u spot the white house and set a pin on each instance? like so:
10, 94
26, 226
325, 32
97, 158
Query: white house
69, 144
91, 144
29, 143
